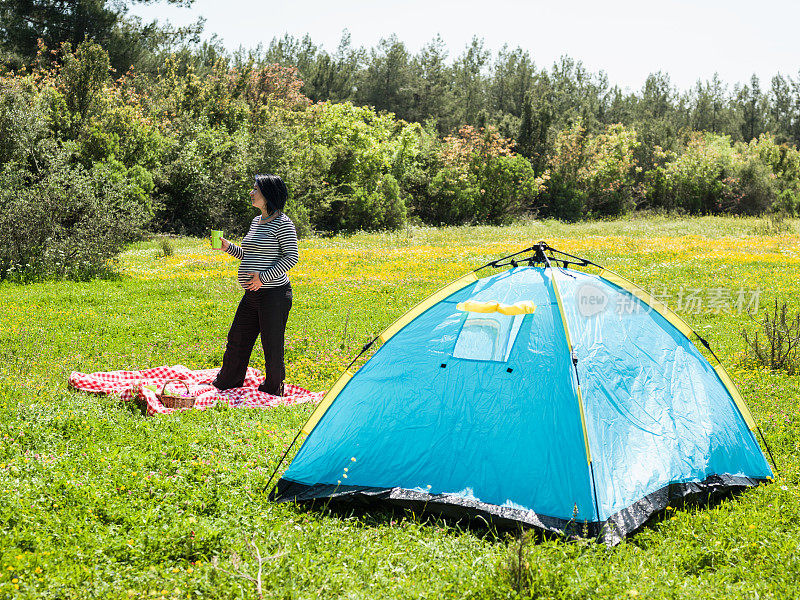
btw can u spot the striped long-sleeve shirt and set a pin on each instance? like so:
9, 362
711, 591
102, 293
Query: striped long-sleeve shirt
269, 249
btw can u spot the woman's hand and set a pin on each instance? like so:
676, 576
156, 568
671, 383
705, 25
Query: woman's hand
225, 244
254, 283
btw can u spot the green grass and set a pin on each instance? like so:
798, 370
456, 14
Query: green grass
99, 501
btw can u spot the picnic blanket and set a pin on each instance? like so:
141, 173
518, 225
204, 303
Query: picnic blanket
136, 386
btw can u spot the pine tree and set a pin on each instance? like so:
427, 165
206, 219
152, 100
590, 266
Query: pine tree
126, 39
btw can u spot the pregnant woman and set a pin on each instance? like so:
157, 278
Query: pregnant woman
268, 250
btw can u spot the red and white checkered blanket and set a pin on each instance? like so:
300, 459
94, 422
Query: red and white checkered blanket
129, 384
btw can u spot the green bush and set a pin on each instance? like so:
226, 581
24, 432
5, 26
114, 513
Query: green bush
346, 163
59, 217
378, 209
452, 194
23, 121
183, 201
562, 199
508, 185
167, 247
753, 191
65, 221
699, 180
710, 175
609, 175
481, 180
783, 162
563, 196
590, 175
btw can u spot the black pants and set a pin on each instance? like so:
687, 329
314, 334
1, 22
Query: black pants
264, 311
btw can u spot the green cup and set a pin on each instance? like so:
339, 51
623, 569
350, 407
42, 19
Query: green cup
216, 238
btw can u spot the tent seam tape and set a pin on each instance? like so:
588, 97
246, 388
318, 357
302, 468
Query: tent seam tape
569, 349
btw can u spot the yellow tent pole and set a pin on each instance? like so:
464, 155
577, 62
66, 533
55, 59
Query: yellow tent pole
572, 358
578, 394
385, 335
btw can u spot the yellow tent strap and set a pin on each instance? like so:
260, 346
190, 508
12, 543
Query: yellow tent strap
684, 328
569, 347
523, 307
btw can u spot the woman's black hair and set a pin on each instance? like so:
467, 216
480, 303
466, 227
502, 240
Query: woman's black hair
274, 191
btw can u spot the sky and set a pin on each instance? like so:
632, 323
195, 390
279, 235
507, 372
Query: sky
627, 39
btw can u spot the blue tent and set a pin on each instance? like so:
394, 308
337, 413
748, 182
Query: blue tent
544, 395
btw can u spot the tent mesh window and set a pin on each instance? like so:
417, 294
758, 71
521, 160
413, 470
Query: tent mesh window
487, 336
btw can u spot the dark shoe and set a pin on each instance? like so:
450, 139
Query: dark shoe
222, 387
278, 392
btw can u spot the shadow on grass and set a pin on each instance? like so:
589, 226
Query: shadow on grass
392, 516
496, 530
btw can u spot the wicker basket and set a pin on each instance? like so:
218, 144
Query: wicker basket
173, 401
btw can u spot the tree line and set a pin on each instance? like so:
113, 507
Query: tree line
505, 89
509, 91
92, 156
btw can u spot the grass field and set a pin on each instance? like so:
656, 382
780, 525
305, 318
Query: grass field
100, 502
